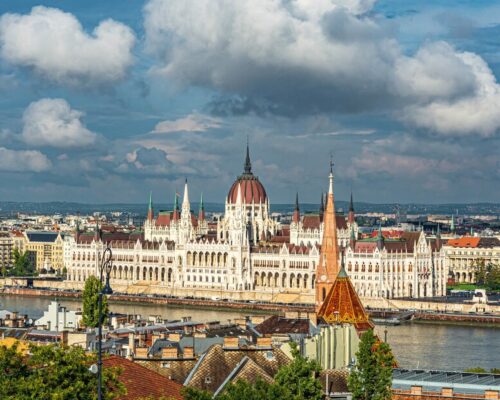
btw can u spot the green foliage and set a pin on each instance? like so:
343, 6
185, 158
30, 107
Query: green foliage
190, 393
299, 378
487, 275
371, 378
90, 313
54, 373
22, 264
479, 370
476, 370
295, 381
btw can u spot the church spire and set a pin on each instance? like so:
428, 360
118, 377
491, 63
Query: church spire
296, 212
328, 266
150, 207
350, 217
175, 214
248, 164
186, 206
201, 212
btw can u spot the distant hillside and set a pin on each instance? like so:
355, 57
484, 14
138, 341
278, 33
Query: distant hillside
9, 208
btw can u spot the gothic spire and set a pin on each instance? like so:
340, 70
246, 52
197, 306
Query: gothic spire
351, 204
201, 212
328, 266
248, 164
296, 212
150, 207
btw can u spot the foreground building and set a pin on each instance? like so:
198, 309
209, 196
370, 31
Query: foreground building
248, 252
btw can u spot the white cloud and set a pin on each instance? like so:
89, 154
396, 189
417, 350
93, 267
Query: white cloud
304, 57
52, 122
190, 123
54, 44
477, 113
23, 161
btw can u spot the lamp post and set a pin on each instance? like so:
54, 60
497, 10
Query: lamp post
105, 268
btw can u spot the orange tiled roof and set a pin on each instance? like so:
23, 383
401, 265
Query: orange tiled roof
142, 382
465, 241
342, 305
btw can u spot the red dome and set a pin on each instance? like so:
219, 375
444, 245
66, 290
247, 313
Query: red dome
251, 190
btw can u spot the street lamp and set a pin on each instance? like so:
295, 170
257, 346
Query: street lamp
105, 268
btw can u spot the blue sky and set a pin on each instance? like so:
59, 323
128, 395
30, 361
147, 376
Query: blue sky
105, 101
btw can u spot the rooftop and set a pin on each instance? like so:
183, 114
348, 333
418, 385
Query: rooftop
461, 382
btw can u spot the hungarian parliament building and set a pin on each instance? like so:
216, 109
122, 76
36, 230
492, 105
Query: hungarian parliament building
246, 250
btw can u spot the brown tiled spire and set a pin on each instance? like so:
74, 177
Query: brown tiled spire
342, 304
328, 266
296, 212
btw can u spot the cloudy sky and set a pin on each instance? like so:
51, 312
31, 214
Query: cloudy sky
103, 101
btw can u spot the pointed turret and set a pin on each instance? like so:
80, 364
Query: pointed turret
247, 168
342, 304
452, 225
150, 207
351, 217
296, 212
186, 206
328, 266
175, 212
380, 238
201, 212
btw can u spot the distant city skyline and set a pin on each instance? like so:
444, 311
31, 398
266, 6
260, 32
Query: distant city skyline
103, 102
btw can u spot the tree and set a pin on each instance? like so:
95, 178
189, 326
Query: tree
22, 264
371, 378
53, 372
90, 314
299, 378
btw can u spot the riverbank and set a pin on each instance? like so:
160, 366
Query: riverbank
270, 308
260, 307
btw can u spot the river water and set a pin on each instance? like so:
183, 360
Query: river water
415, 345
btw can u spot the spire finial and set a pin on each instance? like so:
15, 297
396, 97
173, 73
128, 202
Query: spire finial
297, 201
330, 189
248, 163
351, 204
202, 207
150, 200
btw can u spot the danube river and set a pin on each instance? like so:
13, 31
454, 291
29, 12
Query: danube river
416, 345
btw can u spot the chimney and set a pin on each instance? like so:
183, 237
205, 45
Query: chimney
169, 352
264, 342
141, 352
416, 390
188, 352
241, 322
174, 337
231, 342
131, 344
491, 394
448, 392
